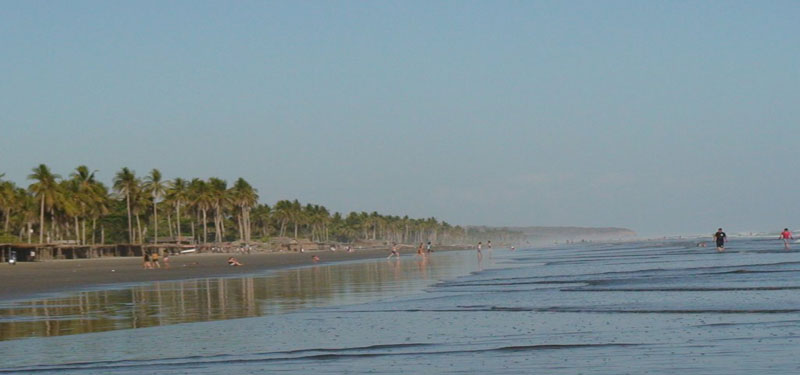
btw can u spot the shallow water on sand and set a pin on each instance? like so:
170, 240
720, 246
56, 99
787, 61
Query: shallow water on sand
657, 308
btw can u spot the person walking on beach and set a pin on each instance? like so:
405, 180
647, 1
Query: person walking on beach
480, 246
429, 248
721, 238
786, 235
394, 251
419, 249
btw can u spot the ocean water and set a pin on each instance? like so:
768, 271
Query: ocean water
631, 308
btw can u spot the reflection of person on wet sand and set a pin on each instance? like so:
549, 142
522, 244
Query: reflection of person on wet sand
234, 262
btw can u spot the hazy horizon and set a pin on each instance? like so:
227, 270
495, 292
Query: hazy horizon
660, 117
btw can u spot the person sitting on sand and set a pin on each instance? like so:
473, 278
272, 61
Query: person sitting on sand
314, 258
234, 262
147, 265
786, 235
154, 257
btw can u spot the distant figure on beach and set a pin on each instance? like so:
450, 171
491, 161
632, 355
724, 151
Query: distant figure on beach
489, 244
147, 265
513, 248
166, 260
420, 248
314, 258
721, 238
429, 247
234, 262
786, 235
480, 246
156, 263
394, 251
333, 248
701, 244
349, 249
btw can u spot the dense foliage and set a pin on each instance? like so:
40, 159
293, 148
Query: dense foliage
82, 210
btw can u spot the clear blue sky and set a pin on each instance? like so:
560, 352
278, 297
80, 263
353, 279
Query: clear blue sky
660, 116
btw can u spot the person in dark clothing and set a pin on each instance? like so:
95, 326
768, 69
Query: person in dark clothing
721, 238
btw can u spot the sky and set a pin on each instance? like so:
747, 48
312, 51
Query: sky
667, 117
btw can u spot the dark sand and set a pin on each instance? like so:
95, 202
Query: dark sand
27, 279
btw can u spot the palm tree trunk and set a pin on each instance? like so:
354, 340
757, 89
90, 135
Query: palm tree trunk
7, 215
155, 221
205, 227
178, 220
130, 226
77, 231
139, 229
41, 221
169, 224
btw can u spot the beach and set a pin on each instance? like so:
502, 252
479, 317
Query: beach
650, 307
26, 279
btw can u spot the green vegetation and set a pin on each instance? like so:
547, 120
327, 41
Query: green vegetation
82, 210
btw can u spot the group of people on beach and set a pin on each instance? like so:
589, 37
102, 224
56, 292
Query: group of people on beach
153, 260
423, 250
721, 238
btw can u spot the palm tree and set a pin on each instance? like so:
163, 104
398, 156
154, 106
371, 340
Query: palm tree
46, 190
219, 200
177, 194
7, 201
125, 182
157, 188
201, 197
245, 197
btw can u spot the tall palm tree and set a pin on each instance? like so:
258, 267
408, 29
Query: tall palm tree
177, 194
244, 197
83, 185
201, 197
46, 190
219, 201
7, 201
156, 188
125, 182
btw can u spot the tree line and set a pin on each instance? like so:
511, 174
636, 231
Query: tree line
136, 210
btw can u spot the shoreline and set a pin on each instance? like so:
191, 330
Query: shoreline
27, 280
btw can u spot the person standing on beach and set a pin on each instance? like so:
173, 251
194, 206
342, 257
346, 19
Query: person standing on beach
429, 248
786, 235
420, 248
394, 251
721, 238
480, 245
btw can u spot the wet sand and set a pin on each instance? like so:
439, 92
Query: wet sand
30, 279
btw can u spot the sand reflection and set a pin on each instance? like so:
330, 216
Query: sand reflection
163, 303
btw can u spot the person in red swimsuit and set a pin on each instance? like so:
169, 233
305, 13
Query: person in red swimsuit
786, 236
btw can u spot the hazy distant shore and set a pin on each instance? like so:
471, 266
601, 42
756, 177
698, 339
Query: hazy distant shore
27, 279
